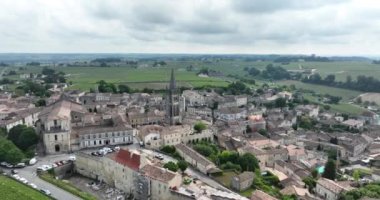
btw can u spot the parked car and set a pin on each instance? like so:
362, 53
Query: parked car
33, 185
13, 171
20, 165
44, 167
72, 158
16, 176
9, 166
32, 161
45, 191
24, 180
159, 157
4, 164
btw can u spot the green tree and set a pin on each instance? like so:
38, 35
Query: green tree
228, 156
280, 103
305, 123
168, 149
199, 127
356, 175
171, 166
15, 132
203, 149
248, 162
9, 152
310, 183
182, 165
23, 137
27, 139
314, 173
330, 170
3, 132
371, 191
40, 103
124, 89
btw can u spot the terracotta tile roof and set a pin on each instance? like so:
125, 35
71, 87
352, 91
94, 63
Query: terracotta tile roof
128, 159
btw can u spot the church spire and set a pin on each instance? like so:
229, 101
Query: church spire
172, 85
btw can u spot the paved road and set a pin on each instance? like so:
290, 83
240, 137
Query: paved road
29, 173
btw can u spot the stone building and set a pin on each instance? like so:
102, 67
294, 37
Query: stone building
130, 172
242, 181
67, 126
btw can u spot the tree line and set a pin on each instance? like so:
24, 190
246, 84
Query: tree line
362, 83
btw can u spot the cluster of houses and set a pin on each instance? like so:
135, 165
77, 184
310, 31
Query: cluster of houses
75, 120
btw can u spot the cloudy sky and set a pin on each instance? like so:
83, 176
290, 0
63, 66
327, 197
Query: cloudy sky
325, 27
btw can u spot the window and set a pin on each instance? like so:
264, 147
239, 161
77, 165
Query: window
100, 142
94, 142
55, 137
55, 122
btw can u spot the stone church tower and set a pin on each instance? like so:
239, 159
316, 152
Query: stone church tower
173, 103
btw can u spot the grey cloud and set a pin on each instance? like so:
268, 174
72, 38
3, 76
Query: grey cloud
268, 6
188, 25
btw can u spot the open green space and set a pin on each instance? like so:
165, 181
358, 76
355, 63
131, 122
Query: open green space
341, 69
347, 108
85, 78
225, 178
341, 107
321, 89
67, 186
13, 190
247, 193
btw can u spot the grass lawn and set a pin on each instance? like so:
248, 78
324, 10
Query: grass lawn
67, 186
247, 193
225, 179
321, 89
341, 107
347, 108
13, 190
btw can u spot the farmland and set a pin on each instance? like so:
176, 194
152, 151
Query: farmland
12, 190
85, 78
341, 69
321, 89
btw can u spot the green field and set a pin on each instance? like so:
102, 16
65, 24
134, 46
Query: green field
321, 89
342, 107
341, 69
12, 190
225, 179
85, 78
